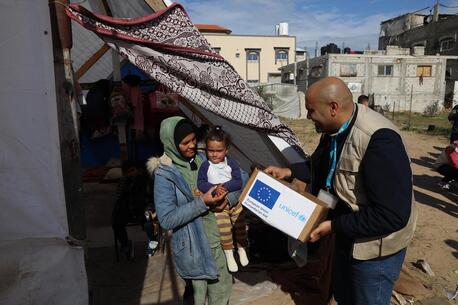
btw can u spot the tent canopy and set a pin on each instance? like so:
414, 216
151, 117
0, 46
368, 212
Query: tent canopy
169, 48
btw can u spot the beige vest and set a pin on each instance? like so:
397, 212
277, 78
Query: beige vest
349, 186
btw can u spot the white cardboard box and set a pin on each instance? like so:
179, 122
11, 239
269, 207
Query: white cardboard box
277, 204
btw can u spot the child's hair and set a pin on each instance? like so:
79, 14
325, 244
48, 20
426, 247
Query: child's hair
217, 134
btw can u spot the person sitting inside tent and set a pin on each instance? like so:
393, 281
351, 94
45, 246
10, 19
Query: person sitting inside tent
131, 200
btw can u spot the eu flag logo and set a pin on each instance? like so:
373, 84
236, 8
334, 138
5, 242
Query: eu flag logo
264, 194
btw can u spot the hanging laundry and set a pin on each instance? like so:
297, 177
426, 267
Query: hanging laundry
131, 86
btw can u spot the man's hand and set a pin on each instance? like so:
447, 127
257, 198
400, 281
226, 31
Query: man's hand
211, 200
323, 229
278, 172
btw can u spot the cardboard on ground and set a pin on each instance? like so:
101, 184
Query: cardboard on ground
277, 204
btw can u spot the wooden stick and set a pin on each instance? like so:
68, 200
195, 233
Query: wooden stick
156, 5
91, 61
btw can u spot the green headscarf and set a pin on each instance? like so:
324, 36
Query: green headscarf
167, 138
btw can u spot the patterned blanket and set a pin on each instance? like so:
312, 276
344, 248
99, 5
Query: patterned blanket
169, 48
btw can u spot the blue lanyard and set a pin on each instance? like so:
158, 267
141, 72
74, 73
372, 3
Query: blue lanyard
333, 153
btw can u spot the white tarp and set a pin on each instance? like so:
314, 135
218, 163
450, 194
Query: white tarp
37, 266
282, 99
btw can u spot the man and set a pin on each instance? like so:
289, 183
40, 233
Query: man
363, 100
453, 117
362, 166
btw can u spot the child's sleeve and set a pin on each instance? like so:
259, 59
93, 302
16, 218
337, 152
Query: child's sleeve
236, 182
202, 180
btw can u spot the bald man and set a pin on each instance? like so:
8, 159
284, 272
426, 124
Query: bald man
361, 169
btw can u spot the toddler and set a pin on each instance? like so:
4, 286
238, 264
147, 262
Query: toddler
225, 173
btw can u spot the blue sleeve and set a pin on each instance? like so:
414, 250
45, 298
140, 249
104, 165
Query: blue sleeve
170, 215
236, 182
388, 182
202, 180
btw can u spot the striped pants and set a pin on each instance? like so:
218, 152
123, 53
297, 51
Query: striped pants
231, 223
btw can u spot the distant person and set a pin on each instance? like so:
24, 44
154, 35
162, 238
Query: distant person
224, 172
453, 117
361, 166
447, 165
363, 100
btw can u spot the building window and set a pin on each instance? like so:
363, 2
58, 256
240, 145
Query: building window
424, 71
447, 44
385, 70
253, 57
282, 56
216, 50
448, 73
348, 70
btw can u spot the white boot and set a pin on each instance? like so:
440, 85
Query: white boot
243, 257
231, 263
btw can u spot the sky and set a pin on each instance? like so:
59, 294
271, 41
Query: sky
355, 23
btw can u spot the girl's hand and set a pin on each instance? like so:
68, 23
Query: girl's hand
220, 189
211, 200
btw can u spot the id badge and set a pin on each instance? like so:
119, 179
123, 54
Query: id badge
328, 198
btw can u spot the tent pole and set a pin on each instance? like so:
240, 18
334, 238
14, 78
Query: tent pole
66, 105
156, 5
91, 61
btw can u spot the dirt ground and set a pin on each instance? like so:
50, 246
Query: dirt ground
152, 280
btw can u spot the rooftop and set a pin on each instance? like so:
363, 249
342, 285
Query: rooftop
212, 28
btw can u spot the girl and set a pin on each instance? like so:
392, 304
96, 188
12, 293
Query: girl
224, 174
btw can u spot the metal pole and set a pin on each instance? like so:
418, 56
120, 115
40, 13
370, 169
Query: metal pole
394, 107
410, 108
307, 70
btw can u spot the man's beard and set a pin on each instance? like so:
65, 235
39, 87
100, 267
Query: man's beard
318, 129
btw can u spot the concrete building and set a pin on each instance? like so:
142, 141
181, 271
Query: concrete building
437, 33
296, 74
255, 57
393, 76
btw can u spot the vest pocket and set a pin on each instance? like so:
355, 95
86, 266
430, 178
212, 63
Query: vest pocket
348, 169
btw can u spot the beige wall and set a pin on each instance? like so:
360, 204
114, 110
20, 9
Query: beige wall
390, 90
231, 45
